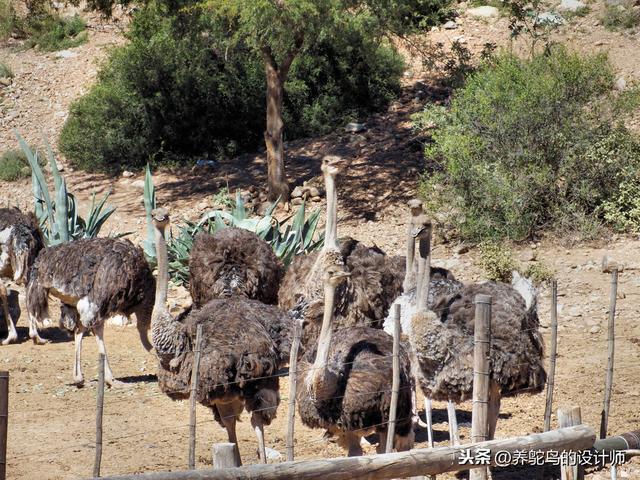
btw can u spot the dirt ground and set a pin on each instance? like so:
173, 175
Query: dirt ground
51, 423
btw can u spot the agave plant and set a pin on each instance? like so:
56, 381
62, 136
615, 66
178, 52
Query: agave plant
149, 198
293, 236
58, 215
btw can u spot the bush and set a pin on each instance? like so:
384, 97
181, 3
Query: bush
539, 272
52, 32
528, 144
8, 19
13, 165
497, 261
179, 89
621, 17
5, 71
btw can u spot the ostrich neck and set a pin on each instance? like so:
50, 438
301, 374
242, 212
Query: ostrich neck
409, 279
319, 369
331, 233
424, 274
162, 282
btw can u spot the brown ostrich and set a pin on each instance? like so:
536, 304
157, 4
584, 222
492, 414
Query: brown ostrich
20, 242
346, 389
239, 358
233, 262
363, 299
94, 279
442, 339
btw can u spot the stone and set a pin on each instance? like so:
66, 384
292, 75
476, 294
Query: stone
296, 193
595, 329
571, 5
296, 201
550, 18
462, 248
127, 174
575, 312
484, 11
6, 81
450, 25
65, 54
528, 255
316, 199
314, 192
138, 184
355, 127
620, 84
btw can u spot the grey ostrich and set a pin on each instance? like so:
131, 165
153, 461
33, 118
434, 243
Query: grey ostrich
239, 359
442, 339
346, 388
363, 299
20, 242
94, 279
233, 262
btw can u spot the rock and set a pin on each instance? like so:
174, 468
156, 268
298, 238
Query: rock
550, 18
6, 81
65, 54
450, 25
60, 114
528, 256
202, 206
138, 184
296, 201
262, 208
316, 199
620, 84
355, 127
314, 192
571, 5
485, 11
575, 312
272, 454
460, 39
297, 192
595, 329
127, 174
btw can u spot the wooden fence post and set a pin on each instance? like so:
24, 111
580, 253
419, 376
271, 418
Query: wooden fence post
570, 417
192, 399
293, 386
395, 384
611, 341
224, 455
4, 422
552, 355
481, 373
99, 411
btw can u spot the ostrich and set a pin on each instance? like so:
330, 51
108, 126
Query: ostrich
239, 359
442, 339
20, 243
363, 298
233, 262
94, 279
346, 388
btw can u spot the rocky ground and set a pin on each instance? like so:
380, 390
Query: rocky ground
52, 423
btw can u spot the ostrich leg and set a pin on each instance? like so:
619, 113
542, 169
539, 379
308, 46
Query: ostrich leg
258, 427
382, 442
78, 378
494, 409
353, 444
11, 328
454, 438
228, 417
98, 331
33, 332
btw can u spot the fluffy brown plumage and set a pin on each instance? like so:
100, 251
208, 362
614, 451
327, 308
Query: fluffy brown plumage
20, 242
360, 363
233, 262
443, 342
94, 279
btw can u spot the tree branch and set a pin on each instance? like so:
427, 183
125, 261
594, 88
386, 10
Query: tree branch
268, 56
291, 55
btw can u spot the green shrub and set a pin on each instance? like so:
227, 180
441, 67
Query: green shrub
621, 17
539, 272
179, 90
5, 71
52, 32
13, 165
497, 261
8, 19
528, 144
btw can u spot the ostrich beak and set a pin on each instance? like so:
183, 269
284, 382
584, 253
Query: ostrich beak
341, 274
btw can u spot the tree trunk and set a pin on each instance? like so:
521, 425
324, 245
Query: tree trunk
273, 136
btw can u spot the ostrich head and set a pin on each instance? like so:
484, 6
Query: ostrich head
160, 217
332, 165
20, 248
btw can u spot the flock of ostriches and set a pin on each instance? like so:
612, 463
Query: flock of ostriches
248, 305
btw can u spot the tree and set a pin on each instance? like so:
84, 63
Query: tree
281, 29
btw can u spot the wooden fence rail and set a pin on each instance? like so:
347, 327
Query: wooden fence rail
427, 461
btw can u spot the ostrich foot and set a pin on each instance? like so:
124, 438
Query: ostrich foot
12, 337
38, 340
113, 383
78, 381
